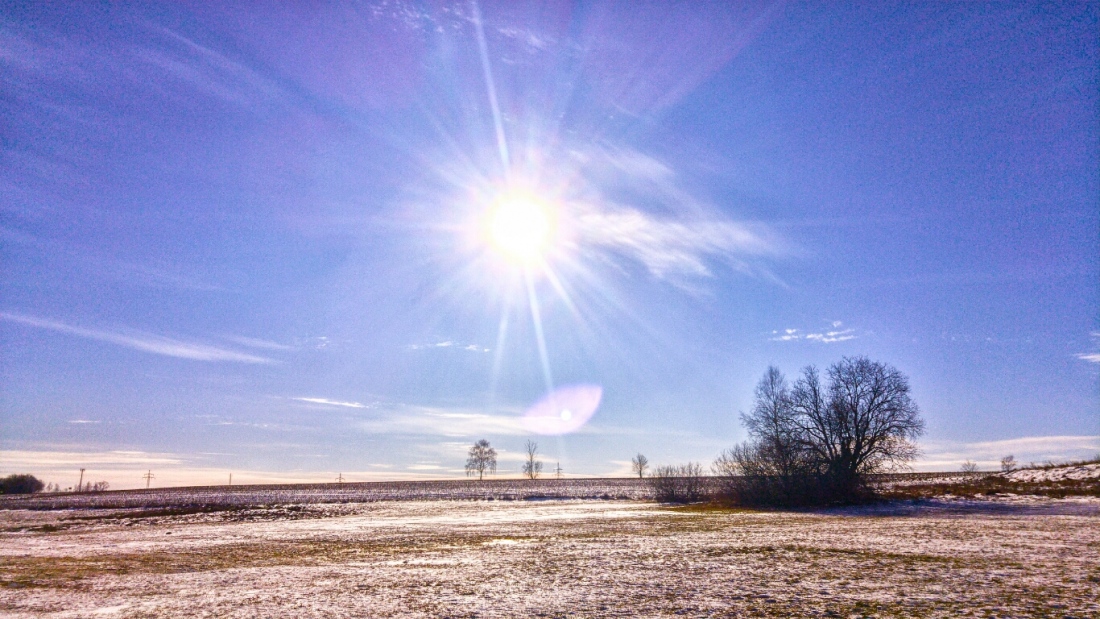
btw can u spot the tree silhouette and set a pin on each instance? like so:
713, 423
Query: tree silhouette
482, 458
532, 468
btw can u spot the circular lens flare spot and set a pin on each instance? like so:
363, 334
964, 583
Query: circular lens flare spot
520, 227
563, 410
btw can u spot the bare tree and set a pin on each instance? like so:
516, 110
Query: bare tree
532, 468
862, 423
969, 467
639, 464
814, 442
777, 453
1008, 464
482, 458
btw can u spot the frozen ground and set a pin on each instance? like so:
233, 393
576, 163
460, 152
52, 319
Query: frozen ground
948, 558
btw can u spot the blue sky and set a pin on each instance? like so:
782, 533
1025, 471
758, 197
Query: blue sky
261, 241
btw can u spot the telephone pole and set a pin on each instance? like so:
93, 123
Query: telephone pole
80, 483
148, 476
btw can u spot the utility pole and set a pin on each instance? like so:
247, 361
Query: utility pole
147, 477
340, 478
557, 471
80, 483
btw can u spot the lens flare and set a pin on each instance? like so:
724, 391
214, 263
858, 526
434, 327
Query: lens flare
563, 410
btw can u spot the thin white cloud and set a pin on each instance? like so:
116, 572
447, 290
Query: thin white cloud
145, 342
449, 344
824, 337
949, 455
671, 248
253, 342
125, 469
422, 420
15, 459
832, 336
654, 221
1092, 357
206, 70
328, 402
83, 421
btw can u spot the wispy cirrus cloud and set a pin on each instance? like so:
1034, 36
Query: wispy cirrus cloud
253, 342
145, 342
449, 344
16, 458
836, 334
204, 69
1093, 357
670, 247
653, 220
328, 402
453, 422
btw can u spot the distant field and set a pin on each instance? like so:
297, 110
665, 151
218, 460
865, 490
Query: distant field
308, 494
1057, 482
1032, 557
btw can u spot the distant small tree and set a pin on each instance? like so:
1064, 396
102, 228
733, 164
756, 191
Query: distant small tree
99, 486
20, 484
1008, 464
482, 458
969, 467
532, 468
639, 464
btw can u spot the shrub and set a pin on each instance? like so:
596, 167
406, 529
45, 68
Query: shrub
678, 484
20, 484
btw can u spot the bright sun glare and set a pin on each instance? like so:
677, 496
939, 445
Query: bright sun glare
521, 227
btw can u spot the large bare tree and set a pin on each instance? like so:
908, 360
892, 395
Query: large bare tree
482, 458
817, 441
864, 421
639, 464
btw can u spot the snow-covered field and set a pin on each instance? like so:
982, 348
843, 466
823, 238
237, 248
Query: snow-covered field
1019, 558
1054, 474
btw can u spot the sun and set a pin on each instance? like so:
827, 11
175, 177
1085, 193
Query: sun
521, 227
